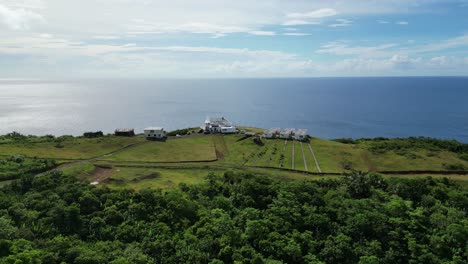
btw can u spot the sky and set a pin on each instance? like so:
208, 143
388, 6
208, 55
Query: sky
232, 39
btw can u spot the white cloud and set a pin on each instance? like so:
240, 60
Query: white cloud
402, 23
382, 21
298, 22
144, 27
295, 34
460, 41
104, 37
18, 18
70, 34
262, 33
341, 23
322, 12
339, 48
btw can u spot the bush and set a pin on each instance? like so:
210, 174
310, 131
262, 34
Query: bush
345, 140
455, 167
181, 132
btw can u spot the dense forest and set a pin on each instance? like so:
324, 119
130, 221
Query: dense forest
236, 218
16, 166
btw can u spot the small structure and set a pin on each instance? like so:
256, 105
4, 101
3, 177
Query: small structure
93, 134
157, 133
125, 132
258, 140
272, 133
219, 125
301, 135
287, 133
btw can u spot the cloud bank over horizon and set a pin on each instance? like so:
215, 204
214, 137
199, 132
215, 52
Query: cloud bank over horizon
213, 39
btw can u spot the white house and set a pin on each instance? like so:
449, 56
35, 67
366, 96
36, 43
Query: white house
301, 134
155, 133
272, 133
219, 125
287, 133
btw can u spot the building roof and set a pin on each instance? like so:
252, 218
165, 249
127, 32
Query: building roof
154, 128
273, 130
218, 121
287, 131
124, 130
301, 132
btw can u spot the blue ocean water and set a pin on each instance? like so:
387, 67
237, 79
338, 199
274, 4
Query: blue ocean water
327, 107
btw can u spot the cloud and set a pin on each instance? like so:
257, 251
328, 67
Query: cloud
341, 23
319, 13
262, 33
144, 27
18, 18
402, 23
382, 22
104, 37
456, 42
308, 18
339, 48
295, 34
297, 22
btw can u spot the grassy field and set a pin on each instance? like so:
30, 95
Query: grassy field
164, 178
272, 155
309, 158
333, 156
157, 164
298, 157
238, 150
199, 148
71, 148
415, 160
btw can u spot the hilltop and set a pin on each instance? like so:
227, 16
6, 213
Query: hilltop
138, 163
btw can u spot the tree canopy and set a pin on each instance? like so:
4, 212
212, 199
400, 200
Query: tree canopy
236, 218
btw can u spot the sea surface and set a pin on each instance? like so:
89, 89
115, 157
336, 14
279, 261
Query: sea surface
327, 107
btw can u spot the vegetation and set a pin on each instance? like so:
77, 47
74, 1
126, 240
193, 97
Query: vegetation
235, 218
184, 131
175, 150
13, 167
93, 134
64, 147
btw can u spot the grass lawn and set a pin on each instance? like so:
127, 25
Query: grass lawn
200, 148
271, 156
309, 158
71, 148
82, 171
332, 156
298, 157
260, 154
414, 160
165, 178
239, 152
287, 160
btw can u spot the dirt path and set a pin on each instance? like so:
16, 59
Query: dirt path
271, 154
282, 154
370, 165
73, 163
304, 158
292, 156
315, 159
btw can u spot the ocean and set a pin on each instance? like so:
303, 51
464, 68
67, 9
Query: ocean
327, 107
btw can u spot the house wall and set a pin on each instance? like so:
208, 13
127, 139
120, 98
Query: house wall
155, 133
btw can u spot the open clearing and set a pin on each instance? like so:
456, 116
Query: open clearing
70, 148
138, 163
199, 148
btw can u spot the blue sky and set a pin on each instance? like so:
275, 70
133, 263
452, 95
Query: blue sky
215, 39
